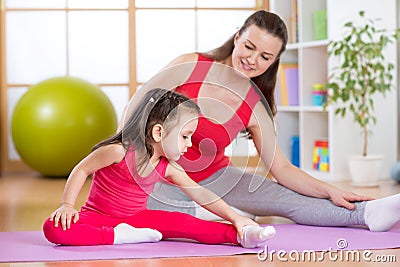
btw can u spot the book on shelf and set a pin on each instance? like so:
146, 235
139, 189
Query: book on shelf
292, 23
287, 91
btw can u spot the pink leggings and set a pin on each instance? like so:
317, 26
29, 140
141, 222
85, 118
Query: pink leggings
93, 228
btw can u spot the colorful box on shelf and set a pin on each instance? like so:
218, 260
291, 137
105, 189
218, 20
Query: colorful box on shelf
321, 155
319, 94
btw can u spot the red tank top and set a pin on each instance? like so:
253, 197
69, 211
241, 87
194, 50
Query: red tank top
206, 156
119, 191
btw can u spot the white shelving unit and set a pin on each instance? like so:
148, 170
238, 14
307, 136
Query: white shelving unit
311, 122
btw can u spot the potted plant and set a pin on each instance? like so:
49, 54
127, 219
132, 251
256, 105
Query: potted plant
362, 73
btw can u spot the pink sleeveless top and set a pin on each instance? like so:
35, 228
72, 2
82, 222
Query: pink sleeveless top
119, 191
206, 156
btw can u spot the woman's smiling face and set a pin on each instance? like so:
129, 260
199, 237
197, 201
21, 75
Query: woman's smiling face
255, 51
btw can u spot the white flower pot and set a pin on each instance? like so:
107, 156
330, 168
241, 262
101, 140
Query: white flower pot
365, 171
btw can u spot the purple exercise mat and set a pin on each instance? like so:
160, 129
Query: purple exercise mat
32, 246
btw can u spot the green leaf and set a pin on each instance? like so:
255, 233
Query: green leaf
343, 112
349, 24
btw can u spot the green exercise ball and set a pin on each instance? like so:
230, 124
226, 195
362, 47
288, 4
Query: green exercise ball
57, 121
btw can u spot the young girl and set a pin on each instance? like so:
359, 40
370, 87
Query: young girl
125, 168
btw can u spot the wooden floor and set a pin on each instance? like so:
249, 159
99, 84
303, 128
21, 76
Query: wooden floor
26, 200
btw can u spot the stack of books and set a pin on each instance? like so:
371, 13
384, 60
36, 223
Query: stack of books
287, 91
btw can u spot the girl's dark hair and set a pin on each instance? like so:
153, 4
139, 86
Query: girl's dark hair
158, 106
274, 25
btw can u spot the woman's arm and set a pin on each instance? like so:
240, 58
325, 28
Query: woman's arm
206, 198
284, 172
170, 77
100, 158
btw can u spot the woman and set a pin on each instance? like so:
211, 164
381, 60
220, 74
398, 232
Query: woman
234, 87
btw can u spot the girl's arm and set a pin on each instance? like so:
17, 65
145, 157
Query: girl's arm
100, 158
206, 198
284, 172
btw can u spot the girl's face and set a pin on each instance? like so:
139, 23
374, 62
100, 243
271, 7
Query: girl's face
176, 141
255, 51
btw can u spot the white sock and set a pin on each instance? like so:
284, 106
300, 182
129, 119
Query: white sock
256, 236
381, 214
204, 214
125, 233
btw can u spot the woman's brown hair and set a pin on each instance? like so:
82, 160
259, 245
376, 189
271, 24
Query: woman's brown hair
272, 24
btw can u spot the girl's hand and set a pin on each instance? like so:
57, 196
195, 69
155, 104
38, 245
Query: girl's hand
240, 222
343, 199
64, 214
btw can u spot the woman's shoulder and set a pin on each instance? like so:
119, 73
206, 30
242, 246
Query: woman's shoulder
190, 57
185, 58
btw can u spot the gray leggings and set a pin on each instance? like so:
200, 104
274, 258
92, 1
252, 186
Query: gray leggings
261, 197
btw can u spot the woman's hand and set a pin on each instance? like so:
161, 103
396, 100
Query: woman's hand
240, 222
64, 214
343, 199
